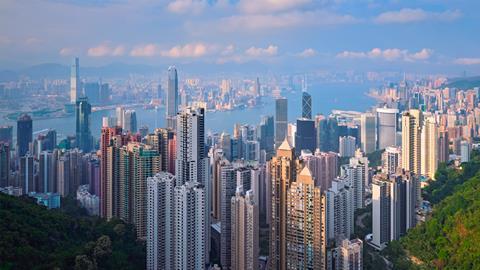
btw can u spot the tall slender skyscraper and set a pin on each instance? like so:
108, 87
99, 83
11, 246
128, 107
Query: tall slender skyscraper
305, 233
24, 134
83, 134
412, 122
191, 222
160, 226
429, 148
281, 120
191, 160
283, 171
244, 248
74, 81
306, 105
227, 191
172, 97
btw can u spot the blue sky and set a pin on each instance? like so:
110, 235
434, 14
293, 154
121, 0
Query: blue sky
423, 36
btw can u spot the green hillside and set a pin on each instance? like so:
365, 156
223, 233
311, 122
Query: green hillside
450, 239
32, 237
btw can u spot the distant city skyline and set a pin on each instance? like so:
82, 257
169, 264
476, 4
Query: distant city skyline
417, 36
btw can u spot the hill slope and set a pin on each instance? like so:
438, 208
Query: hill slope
450, 239
33, 237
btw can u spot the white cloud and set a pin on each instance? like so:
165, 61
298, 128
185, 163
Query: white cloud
308, 53
106, 50
190, 50
267, 6
66, 51
253, 53
408, 15
423, 54
229, 50
271, 50
258, 22
467, 61
145, 50
187, 6
389, 54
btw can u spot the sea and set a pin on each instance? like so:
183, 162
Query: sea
325, 98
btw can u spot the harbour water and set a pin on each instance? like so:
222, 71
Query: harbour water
325, 98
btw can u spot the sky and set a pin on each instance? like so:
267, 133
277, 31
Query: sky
424, 36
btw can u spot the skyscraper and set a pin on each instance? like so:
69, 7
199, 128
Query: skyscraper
393, 206
305, 136
367, 133
305, 228
47, 172
27, 174
130, 121
267, 134
443, 146
346, 146
283, 171
244, 231
324, 166
281, 120
191, 163
145, 162
4, 164
412, 122
306, 105
107, 169
391, 159
351, 254
6, 134
24, 134
83, 134
227, 191
191, 159
340, 209
386, 127
429, 148
160, 225
191, 222
172, 97
74, 81
120, 112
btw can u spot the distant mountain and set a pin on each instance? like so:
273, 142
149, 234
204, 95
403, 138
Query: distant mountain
116, 70
464, 83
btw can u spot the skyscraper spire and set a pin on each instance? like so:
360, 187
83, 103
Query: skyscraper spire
172, 97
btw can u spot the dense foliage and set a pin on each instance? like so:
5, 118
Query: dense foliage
33, 237
450, 238
448, 179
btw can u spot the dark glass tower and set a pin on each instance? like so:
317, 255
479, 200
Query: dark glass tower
267, 134
83, 110
24, 134
306, 105
305, 137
